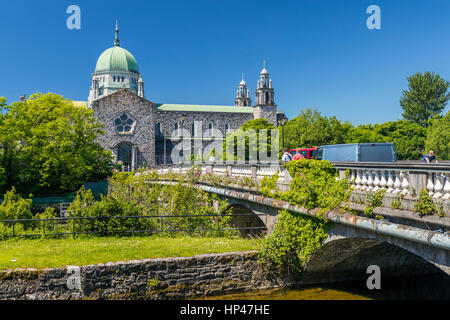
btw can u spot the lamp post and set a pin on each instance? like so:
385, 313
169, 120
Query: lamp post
283, 123
165, 145
180, 129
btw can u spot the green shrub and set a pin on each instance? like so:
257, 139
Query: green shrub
373, 200
137, 196
425, 206
315, 184
396, 203
15, 207
268, 186
293, 241
107, 222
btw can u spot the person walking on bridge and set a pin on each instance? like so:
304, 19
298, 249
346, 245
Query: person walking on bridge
286, 156
298, 155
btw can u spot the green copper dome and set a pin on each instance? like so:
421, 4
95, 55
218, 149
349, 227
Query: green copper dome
117, 58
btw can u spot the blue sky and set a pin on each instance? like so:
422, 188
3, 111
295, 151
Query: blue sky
319, 53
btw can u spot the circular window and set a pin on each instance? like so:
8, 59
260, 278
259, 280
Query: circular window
124, 124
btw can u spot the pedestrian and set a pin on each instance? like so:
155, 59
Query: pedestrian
298, 155
430, 157
286, 156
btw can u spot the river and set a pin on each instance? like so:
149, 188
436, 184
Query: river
429, 287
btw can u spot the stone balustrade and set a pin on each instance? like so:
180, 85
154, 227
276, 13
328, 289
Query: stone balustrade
395, 178
255, 172
399, 179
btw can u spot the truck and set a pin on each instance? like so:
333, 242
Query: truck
357, 152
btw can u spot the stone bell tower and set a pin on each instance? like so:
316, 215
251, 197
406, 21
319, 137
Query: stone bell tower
265, 106
243, 95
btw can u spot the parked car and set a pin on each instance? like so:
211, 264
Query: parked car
358, 152
308, 153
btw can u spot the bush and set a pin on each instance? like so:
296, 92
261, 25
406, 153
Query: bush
15, 207
425, 206
131, 195
293, 241
373, 200
315, 184
106, 213
268, 186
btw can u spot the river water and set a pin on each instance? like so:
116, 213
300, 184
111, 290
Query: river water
429, 287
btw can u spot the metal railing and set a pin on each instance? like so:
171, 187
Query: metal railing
71, 226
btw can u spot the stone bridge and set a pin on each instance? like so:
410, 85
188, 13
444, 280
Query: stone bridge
402, 244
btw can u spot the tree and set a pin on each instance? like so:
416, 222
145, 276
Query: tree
247, 138
408, 137
427, 97
438, 136
364, 133
311, 129
49, 146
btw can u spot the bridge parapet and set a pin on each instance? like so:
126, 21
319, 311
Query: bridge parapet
399, 178
401, 181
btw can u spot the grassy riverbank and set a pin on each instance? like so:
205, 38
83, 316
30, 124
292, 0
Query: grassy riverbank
57, 253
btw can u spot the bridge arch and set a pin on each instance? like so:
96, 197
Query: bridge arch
248, 221
437, 256
347, 259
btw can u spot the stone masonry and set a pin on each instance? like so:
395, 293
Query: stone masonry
168, 278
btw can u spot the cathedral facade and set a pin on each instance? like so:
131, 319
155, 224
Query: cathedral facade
140, 132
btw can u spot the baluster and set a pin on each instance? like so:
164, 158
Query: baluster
352, 178
405, 183
390, 182
397, 183
358, 179
383, 182
438, 186
430, 184
447, 187
363, 180
369, 181
376, 181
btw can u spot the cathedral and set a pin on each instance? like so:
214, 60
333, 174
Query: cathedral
140, 132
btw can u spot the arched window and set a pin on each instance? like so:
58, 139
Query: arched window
158, 129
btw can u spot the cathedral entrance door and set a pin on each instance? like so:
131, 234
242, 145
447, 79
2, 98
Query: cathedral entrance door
125, 155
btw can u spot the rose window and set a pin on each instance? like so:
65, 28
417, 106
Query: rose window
124, 123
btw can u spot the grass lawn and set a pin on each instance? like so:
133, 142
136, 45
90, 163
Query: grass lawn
58, 253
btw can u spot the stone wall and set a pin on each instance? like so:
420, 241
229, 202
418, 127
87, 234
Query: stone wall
168, 278
203, 138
